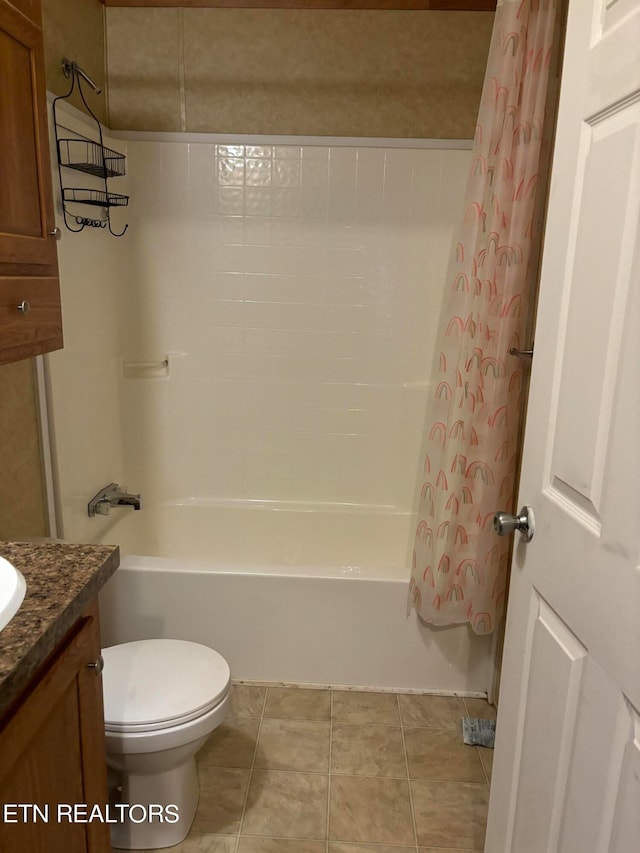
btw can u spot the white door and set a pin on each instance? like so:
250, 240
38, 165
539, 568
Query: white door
567, 762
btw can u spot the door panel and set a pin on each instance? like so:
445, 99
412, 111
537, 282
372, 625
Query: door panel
567, 771
53, 749
593, 333
600, 739
627, 817
554, 667
20, 199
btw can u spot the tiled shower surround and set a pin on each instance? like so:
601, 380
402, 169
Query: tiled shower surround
296, 290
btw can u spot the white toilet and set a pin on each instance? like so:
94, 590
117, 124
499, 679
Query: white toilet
162, 699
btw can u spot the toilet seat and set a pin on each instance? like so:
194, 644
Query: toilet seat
151, 685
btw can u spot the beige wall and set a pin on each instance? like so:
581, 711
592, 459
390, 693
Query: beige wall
75, 29
272, 71
84, 378
325, 72
22, 512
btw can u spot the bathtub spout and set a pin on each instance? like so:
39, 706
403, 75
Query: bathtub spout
112, 495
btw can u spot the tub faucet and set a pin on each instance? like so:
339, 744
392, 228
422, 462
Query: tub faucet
112, 495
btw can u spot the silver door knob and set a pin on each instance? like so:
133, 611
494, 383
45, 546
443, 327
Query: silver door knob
24, 306
505, 524
55, 232
98, 666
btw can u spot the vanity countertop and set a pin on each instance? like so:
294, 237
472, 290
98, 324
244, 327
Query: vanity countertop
62, 580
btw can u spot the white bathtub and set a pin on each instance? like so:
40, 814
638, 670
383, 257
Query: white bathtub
288, 594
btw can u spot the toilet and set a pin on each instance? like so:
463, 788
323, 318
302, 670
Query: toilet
162, 700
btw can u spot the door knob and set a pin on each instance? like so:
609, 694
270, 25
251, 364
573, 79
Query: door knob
505, 524
98, 666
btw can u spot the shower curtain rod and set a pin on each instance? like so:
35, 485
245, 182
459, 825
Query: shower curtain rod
345, 5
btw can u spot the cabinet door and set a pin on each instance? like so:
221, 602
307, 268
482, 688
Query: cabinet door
30, 317
53, 751
30, 8
26, 197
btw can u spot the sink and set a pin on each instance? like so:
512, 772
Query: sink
12, 589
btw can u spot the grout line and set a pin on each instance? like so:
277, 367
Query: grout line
349, 776
329, 769
287, 838
398, 725
406, 762
486, 774
181, 73
253, 762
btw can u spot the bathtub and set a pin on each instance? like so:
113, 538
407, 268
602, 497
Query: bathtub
288, 593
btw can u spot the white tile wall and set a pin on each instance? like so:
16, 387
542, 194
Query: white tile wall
301, 286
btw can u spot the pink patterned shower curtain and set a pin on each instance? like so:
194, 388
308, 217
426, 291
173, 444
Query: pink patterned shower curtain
459, 564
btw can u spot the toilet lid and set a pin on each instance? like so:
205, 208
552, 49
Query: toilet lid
155, 684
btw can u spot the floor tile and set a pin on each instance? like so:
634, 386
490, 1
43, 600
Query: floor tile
202, 844
450, 814
435, 711
375, 811
280, 845
247, 700
231, 744
486, 756
294, 703
441, 754
287, 805
480, 708
222, 794
359, 750
370, 806
294, 745
351, 706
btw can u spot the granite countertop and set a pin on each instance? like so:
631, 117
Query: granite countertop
62, 580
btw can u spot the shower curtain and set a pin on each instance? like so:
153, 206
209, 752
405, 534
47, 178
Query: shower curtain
459, 564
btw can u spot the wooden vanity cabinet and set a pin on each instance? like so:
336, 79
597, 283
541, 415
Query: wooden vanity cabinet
52, 749
28, 248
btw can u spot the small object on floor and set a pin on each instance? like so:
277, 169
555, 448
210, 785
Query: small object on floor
478, 732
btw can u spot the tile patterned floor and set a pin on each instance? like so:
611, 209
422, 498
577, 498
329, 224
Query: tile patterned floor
297, 770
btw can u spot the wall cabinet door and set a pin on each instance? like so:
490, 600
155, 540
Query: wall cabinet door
26, 197
53, 750
27, 244
30, 8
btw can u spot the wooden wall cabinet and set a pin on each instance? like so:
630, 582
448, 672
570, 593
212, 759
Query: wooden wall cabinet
52, 746
28, 248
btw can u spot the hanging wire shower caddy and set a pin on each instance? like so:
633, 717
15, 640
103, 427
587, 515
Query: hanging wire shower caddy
90, 156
